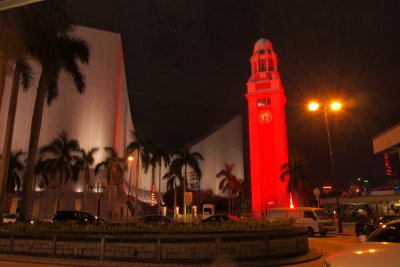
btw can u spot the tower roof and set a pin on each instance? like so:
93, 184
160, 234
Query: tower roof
262, 44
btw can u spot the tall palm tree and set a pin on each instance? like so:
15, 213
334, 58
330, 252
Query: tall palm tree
159, 155
114, 167
60, 155
13, 181
84, 162
22, 73
228, 183
57, 51
295, 171
16, 165
172, 178
181, 160
141, 146
11, 44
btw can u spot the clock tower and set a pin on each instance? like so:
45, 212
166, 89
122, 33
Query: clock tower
267, 130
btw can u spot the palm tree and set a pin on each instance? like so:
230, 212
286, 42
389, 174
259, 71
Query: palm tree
11, 44
22, 73
228, 183
59, 52
181, 160
172, 178
84, 162
159, 155
60, 155
141, 146
15, 165
114, 167
42, 170
295, 171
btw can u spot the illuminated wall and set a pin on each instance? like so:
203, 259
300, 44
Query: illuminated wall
98, 118
224, 145
267, 129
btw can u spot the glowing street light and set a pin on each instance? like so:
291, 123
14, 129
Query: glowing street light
313, 106
334, 106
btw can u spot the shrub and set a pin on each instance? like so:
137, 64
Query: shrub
245, 225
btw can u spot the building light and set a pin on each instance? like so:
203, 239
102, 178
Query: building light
291, 201
153, 189
388, 168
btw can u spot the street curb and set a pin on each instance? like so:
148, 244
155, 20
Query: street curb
311, 255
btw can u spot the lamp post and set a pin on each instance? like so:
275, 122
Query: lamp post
334, 106
130, 159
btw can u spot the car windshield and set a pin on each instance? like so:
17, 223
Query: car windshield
386, 233
322, 214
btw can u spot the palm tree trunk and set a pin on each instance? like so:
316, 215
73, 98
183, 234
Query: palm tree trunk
174, 196
5, 159
85, 185
159, 188
184, 191
59, 192
137, 181
32, 150
3, 68
229, 201
110, 204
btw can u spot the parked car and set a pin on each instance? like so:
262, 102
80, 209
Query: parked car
370, 225
81, 217
220, 218
381, 248
9, 218
154, 218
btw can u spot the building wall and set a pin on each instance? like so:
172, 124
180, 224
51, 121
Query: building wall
222, 146
98, 118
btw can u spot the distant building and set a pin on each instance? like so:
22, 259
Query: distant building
387, 146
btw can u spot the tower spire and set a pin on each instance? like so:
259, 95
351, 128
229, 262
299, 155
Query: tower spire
261, 17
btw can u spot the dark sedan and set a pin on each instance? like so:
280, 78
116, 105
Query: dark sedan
220, 218
75, 216
370, 225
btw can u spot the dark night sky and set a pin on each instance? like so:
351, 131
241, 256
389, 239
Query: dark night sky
187, 64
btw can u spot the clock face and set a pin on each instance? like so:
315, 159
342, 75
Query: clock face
265, 116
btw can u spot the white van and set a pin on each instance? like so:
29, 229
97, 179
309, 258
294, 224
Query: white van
316, 220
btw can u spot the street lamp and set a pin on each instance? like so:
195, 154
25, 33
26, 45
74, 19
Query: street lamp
334, 106
130, 159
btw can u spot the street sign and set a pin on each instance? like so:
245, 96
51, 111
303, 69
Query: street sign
188, 198
316, 192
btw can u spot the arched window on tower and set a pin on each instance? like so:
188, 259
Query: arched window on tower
254, 67
262, 65
271, 66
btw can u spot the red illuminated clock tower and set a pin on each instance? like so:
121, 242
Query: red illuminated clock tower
267, 126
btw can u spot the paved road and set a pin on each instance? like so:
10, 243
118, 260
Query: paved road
331, 244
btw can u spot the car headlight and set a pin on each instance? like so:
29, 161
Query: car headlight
326, 264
